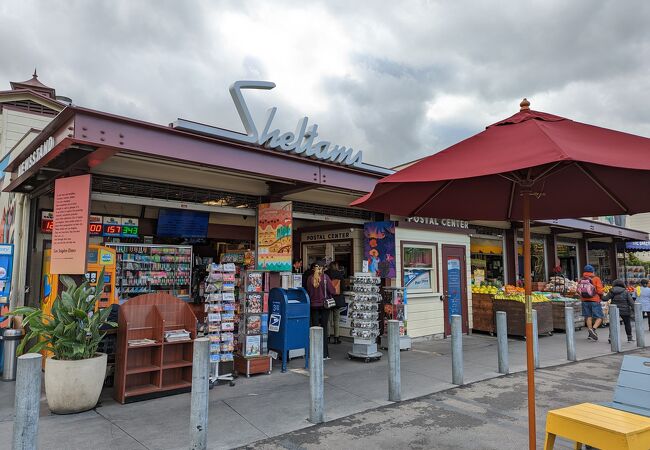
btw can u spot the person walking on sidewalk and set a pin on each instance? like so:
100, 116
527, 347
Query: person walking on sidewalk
590, 289
620, 297
644, 298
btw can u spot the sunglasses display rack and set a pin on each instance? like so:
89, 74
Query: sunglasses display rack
363, 313
221, 318
150, 268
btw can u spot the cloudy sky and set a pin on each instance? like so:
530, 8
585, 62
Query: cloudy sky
398, 80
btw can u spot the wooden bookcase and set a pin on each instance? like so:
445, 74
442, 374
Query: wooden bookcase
161, 367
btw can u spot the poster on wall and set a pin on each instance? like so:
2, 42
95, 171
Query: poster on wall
70, 235
379, 248
6, 265
274, 237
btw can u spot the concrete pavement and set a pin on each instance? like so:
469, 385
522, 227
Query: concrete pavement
486, 415
269, 406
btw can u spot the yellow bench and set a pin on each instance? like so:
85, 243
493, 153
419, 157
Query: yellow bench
599, 426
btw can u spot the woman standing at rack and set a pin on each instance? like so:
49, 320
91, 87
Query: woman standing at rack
319, 287
337, 276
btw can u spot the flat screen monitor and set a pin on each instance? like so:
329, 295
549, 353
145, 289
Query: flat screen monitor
183, 224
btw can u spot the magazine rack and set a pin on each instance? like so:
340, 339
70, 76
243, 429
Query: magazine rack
158, 368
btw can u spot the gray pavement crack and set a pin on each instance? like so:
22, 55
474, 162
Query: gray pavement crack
122, 429
245, 419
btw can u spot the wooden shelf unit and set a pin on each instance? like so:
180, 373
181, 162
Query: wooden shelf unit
160, 367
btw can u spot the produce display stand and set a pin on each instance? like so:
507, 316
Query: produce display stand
157, 368
483, 313
516, 316
559, 318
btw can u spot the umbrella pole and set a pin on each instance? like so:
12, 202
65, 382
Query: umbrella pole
532, 435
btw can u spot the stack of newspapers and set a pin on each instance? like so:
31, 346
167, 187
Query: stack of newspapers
177, 335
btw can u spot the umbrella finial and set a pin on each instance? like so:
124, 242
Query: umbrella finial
524, 105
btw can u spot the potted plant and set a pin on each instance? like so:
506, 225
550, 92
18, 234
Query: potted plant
75, 372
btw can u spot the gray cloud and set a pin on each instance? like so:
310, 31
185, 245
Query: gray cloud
398, 80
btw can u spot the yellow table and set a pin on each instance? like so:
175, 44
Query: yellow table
599, 426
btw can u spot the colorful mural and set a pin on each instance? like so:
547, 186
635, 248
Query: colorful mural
379, 248
274, 237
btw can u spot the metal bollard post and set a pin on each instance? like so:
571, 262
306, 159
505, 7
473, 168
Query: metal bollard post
394, 375
614, 328
638, 324
535, 340
456, 349
316, 389
502, 341
570, 333
200, 394
27, 403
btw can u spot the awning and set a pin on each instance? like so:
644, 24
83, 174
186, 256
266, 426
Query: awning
638, 246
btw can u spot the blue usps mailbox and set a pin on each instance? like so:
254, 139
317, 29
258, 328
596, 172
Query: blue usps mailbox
289, 322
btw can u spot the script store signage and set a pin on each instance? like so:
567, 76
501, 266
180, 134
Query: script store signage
303, 141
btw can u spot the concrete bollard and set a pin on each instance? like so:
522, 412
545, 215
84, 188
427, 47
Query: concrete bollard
27, 403
638, 324
502, 341
394, 374
316, 388
456, 349
570, 333
535, 340
614, 328
200, 394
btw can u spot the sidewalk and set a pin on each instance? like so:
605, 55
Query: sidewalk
266, 406
488, 415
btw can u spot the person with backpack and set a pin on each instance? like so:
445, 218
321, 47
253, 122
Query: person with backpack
620, 297
590, 289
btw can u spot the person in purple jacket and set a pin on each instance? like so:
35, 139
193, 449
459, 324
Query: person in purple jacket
319, 287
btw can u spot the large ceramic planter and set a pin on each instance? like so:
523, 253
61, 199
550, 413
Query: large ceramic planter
74, 386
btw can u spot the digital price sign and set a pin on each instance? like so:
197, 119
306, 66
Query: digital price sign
126, 227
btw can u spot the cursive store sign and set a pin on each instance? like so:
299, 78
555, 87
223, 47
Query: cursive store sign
303, 141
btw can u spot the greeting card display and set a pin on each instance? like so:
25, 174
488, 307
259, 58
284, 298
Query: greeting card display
252, 354
221, 317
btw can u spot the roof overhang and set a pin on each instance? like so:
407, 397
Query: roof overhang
81, 139
597, 228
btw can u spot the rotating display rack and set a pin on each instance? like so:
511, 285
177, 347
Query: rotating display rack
364, 317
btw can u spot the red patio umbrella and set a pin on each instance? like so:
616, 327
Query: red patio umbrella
569, 169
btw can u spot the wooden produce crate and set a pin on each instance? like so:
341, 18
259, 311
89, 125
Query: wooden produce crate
483, 313
253, 365
516, 315
558, 315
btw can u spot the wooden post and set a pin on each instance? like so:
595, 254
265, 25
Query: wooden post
530, 363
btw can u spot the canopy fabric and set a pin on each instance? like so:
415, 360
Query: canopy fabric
576, 170
638, 246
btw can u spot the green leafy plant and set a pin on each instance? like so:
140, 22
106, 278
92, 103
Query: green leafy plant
72, 330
